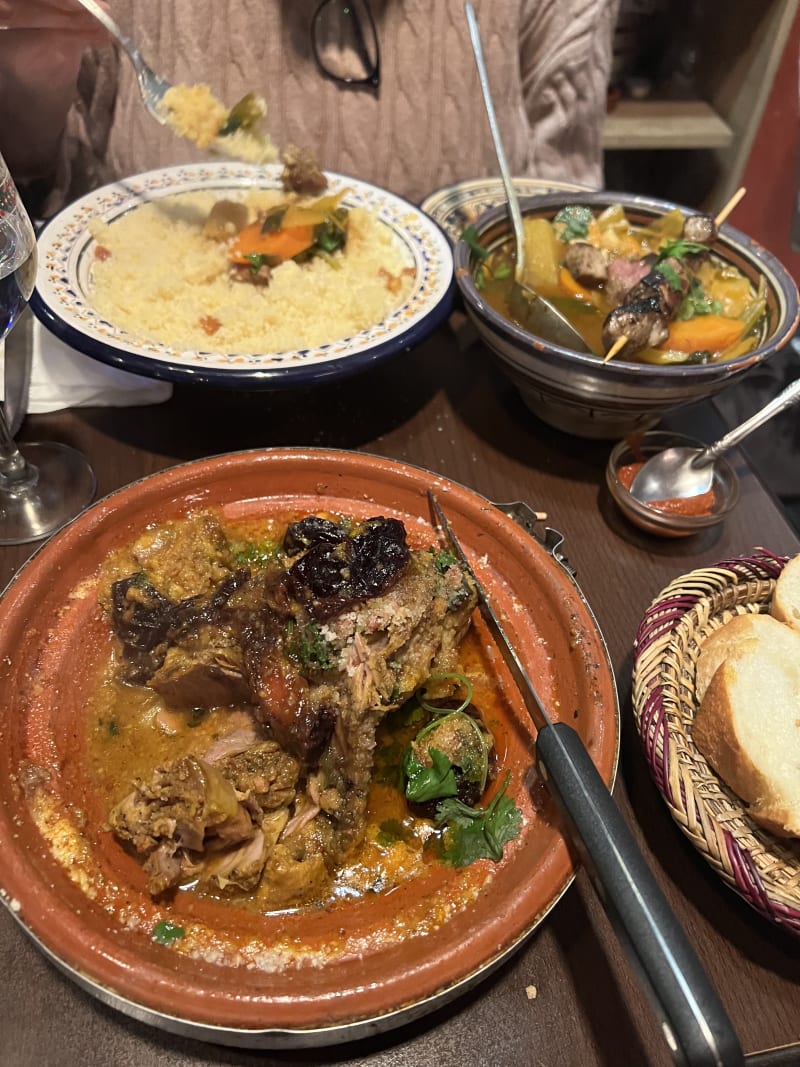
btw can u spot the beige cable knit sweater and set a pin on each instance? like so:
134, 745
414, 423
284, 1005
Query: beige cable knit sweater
425, 127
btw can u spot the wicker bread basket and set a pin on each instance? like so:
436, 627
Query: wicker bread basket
761, 868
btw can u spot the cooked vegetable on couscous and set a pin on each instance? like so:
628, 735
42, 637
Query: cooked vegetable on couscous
261, 271
195, 113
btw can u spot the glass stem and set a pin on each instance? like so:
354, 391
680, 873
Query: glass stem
14, 468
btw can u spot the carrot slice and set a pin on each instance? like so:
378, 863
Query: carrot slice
574, 288
281, 244
703, 332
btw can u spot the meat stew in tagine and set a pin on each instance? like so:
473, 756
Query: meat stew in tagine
287, 718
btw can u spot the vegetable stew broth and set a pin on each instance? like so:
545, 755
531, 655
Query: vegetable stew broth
722, 316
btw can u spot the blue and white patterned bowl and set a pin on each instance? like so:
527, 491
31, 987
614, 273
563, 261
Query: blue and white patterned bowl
579, 393
63, 296
459, 205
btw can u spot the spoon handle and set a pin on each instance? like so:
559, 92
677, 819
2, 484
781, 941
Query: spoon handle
790, 395
511, 193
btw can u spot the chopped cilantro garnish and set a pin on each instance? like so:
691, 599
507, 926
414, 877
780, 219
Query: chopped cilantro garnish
669, 273
470, 236
165, 932
331, 235
257, 260
679, 248
573, 222
696, 302
429, 783
478, 833
259, 553
310, 648
443, 560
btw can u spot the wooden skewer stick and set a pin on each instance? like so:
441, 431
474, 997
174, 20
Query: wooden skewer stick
616, 347
734, 200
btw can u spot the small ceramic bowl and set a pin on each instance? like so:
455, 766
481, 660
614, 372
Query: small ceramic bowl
637, 449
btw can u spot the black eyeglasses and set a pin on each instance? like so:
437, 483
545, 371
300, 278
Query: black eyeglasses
345, 42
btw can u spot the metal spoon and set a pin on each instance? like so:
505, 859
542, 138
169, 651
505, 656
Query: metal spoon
533, 312
683, 472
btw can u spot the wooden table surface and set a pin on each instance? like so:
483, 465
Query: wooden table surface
444, 406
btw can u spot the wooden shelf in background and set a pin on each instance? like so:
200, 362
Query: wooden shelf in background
649, 124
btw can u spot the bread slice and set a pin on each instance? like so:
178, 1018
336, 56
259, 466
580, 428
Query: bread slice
736, 636
786, 595
748, 728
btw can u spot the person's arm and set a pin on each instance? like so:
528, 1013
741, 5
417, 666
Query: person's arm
565, 65
41, 44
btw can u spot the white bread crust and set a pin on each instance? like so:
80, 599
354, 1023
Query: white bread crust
744, 738
785, 606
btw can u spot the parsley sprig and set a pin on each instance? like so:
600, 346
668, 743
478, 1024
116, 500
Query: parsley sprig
572, 222
676, 249
307, 646
470, 237
478, 833
679, 248
429, 783
165, 932
697, 302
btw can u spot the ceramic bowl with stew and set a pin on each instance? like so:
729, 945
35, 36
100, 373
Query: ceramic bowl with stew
577, 392
672, 518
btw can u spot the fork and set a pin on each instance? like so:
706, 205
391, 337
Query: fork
151, 85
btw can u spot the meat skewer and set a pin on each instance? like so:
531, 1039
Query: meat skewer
644, 317
734, 200
704, 229
642, 321
618, 345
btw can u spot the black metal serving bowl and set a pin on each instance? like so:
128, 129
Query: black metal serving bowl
577, 392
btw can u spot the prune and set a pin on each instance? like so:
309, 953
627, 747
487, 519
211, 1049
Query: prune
330, 577
141, 615
147, 622
312, 531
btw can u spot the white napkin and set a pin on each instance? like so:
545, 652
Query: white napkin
61, 377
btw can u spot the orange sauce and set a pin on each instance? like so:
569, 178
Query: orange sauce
703, 504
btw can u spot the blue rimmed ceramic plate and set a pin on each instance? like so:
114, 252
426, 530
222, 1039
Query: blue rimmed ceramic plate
63, 296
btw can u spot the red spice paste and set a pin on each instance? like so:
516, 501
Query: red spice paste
689, 505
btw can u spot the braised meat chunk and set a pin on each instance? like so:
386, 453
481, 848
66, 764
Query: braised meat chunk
312, 648
301, 172
586, 263
263, 774
186, 810
204, 671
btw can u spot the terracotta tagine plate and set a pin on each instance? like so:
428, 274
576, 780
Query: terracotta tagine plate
309, 976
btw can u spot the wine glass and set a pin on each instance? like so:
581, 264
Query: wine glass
50, 483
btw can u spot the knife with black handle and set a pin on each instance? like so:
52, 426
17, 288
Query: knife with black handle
695, 1024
